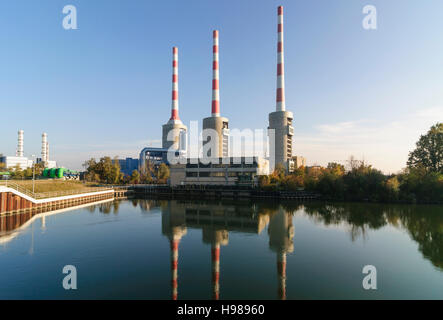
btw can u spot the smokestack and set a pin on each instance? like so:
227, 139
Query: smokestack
47, 151
281, 270
174, 109
281, 105
19, 152
174, 268
215, 77
44, 147
215, 250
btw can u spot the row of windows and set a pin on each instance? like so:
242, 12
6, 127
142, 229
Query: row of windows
217, 174
221, 165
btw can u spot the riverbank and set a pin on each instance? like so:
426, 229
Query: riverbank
240, 192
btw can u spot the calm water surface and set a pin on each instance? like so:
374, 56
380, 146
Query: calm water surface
150, 249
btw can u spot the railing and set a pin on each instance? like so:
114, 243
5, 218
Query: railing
51, 194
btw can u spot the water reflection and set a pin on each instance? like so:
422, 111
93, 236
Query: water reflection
423, 223
217, 219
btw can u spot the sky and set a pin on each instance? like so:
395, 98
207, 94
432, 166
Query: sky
105, 88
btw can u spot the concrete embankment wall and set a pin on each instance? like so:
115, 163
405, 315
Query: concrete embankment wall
219, 193
12, 200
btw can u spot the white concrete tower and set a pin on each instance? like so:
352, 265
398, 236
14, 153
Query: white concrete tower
44, 148
174, 131
217, 123
20, 152
280, 121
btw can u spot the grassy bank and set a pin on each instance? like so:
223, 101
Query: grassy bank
43, 186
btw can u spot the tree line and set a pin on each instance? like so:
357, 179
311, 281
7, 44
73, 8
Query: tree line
108, 171
421, 181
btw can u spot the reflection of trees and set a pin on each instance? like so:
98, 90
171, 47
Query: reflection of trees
105, 207
116, 205
423, 223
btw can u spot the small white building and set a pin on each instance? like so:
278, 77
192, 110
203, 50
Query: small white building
11, 162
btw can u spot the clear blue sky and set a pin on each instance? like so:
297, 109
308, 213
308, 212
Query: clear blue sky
105, 88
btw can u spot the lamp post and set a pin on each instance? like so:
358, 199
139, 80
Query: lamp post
33, 173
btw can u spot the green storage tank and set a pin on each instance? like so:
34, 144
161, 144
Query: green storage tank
45, 172
60, 172
52, 173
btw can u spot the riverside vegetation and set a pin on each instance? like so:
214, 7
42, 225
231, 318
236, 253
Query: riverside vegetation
421, 181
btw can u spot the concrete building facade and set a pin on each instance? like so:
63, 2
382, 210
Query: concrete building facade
220, 171
12, 162
296, 162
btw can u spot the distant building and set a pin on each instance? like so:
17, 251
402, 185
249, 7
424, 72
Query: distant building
11, 162
244, 170
296, 162
128, 165
154, 157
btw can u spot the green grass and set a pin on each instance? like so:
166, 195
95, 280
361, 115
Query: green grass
42, 186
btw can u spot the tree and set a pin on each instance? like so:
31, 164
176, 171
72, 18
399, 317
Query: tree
135, 177
336, 169
17, 172
162, 173
105, 171
429, 150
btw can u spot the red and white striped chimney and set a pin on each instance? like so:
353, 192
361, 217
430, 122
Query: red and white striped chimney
174, 107
281, 270
215, 77
281, 105
215, 253
174, 268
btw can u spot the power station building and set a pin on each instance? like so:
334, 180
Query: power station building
216, 133
174, 132
215, 126
280, 127
229, 171
23, 162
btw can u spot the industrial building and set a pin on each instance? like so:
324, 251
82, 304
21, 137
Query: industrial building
19, 159
281, 120
215, 126
24, 162
219, 171
174, 131
45, 153
128, 165
12, 162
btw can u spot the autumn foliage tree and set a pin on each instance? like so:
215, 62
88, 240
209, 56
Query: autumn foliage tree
429, 150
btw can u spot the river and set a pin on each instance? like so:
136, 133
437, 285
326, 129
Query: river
169, 249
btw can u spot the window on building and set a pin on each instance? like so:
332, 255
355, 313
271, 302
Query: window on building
191, 174
217, 174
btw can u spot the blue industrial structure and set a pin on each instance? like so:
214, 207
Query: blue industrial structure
128, 165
